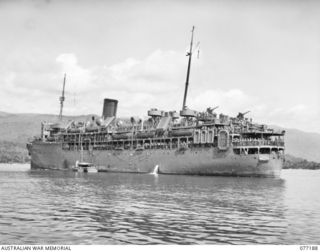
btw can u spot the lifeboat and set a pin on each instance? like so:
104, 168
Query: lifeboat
122, 136
181, 132
145, 134
92, 129
73, 130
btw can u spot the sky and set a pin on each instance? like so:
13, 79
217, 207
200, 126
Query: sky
262, 56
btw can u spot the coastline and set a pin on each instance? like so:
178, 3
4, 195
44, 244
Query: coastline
303, 165
14, 166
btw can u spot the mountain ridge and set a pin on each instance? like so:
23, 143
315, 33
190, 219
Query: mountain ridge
19, 128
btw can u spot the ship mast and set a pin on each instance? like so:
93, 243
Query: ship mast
188, 71
62, 97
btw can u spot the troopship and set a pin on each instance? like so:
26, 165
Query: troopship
167, 142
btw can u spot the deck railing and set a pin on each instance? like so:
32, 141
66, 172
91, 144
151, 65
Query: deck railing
258, 143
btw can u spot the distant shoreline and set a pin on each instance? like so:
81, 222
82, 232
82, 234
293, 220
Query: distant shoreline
294, 166
14, 165
311, 169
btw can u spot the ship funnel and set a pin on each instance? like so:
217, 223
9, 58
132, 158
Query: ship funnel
109, 108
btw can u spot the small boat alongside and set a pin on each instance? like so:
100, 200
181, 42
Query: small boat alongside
85, 167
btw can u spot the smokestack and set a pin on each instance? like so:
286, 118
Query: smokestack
109, 108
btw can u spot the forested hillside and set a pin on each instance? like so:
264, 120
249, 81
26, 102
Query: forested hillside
17, 129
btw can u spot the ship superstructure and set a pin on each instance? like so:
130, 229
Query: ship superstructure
188, 142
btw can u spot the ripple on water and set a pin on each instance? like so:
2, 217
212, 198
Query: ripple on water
67, 208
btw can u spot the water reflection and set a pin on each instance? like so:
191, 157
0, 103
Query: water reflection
66, 207
73, 208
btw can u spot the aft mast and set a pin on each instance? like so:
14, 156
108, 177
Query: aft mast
62, 98
188, 71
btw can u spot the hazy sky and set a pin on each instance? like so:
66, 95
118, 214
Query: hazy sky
262, 56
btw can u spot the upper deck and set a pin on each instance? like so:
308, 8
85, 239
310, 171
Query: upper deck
176, 135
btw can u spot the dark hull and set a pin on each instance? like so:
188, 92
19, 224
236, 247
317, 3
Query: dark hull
196, 161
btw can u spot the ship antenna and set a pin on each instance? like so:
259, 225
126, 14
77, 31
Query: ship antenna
188, 71
62, 97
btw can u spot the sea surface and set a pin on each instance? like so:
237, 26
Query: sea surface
56, 207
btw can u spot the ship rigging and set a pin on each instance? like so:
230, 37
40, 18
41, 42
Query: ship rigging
195, 143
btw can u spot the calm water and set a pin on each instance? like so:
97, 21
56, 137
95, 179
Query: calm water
41, 207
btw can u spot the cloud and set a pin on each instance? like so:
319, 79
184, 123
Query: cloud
138, 84
229, 101
161, 71
79, 78
156, 81
235, 100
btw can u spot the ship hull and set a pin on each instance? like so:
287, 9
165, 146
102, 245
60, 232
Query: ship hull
193, 161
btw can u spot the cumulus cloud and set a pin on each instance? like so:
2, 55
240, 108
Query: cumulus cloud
297, 116
235, 100
138, 84
161, 71
79, 78
229, 101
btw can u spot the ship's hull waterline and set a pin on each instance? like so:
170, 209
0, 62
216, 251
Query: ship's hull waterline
193, 161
